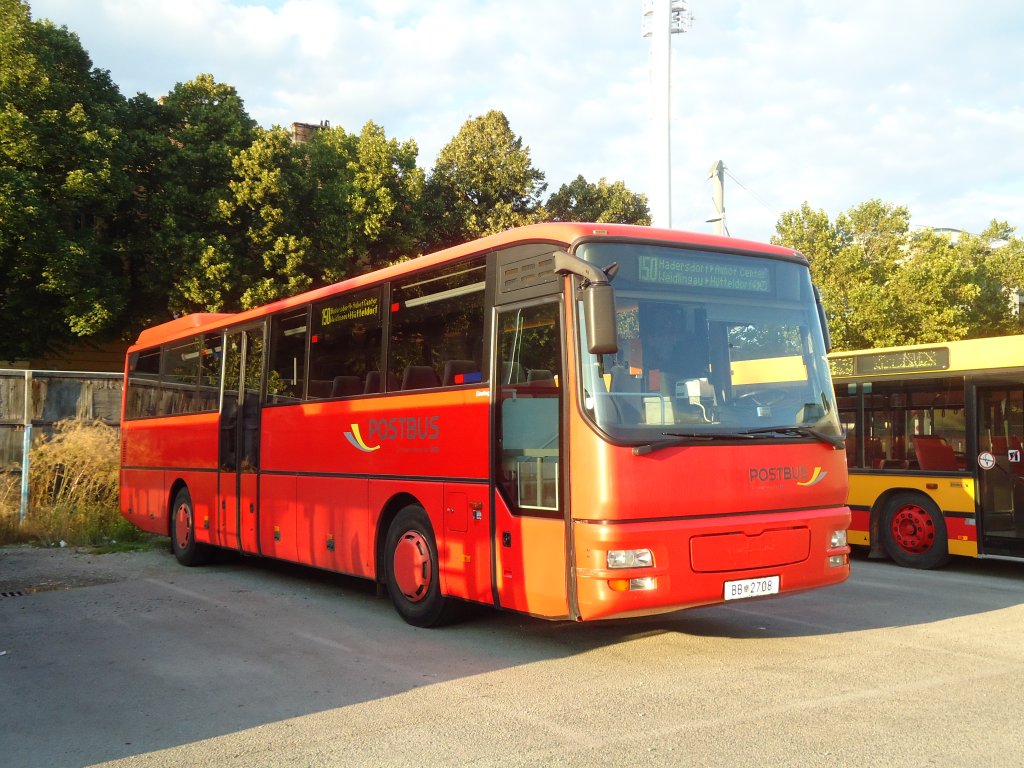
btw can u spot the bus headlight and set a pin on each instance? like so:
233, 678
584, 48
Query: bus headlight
838, 539
630, 558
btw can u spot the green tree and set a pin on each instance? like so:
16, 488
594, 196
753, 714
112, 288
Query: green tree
483, 182
60, 180
151, 265
316, 212
579, 200
207, 127
367, 201
884, 285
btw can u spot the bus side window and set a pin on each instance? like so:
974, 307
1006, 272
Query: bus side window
345, 345
437, 322
288, 334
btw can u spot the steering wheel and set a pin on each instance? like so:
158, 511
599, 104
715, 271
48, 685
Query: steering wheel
764, 397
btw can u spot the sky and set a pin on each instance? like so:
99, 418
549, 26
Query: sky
916, 103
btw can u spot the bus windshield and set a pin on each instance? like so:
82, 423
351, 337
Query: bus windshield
709, 345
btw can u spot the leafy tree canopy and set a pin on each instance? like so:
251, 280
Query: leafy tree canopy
884, 284
483, 182
116, 214
60, 180
580, 200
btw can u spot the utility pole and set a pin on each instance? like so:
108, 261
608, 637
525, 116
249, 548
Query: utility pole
717, 173
662, 19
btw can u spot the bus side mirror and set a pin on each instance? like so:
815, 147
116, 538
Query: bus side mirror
598, 301
599, 316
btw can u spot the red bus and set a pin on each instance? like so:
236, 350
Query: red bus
574, 421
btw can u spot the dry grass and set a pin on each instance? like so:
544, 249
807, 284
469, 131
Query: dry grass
73, 490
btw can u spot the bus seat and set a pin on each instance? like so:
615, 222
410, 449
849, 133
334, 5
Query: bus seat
540, 375
319, 388
623, 380
894, 464
511, 373
873, 453
419, 377
934, 453
373, 383
453, 368
343, 386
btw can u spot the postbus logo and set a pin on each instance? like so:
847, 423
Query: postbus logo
355, 439
801, 474
408, 429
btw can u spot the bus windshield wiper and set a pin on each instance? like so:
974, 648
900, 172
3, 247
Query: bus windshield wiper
833, 440
688, 438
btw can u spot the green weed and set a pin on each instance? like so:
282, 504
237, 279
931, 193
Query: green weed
73, 491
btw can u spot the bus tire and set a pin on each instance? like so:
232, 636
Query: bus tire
914, 532
183, 532
411, 570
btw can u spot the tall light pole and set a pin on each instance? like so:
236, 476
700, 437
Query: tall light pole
662, 19
717, 175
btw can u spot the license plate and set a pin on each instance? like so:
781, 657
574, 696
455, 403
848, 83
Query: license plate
744, 588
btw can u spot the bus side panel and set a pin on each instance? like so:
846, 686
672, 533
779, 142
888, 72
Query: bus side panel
202, 487
178, 441
438, 434
277, 529
954, 495
150, 448
332, 524
531, 563
429, 495
466, 554
143, 501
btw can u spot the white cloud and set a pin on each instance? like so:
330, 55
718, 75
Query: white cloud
917, 103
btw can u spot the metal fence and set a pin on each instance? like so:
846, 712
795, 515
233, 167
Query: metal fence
31, 402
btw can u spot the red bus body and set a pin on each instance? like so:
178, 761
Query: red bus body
333, 473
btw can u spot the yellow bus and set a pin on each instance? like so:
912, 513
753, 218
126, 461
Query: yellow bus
934, 446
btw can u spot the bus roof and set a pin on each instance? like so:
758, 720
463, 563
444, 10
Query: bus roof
557, 233
997, 353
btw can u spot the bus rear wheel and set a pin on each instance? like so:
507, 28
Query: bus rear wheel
411, 570
183, 532
914, 532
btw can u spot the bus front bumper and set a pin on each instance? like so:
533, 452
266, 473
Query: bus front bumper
627, 568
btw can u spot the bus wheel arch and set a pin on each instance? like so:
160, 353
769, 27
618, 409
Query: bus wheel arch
409, 564
912, 529
182, 528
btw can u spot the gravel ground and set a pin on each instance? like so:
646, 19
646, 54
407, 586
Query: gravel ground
25, 568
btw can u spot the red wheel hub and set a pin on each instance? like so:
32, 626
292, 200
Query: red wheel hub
412, 569
182, 525
913, 529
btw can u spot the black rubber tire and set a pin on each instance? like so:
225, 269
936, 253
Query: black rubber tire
420, 604
913, 532
183, 532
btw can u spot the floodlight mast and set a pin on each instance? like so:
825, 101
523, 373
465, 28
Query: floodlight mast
662, 19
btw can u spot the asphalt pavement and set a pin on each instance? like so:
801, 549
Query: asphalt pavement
133, 660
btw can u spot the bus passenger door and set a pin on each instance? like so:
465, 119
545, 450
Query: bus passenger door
1001, 469
238, 515
530, 528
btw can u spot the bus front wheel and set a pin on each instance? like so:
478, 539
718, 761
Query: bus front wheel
412, 574
914, 532
183, 532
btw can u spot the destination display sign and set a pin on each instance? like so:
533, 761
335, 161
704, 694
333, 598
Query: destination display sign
352, 310
881, 363
691, 272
